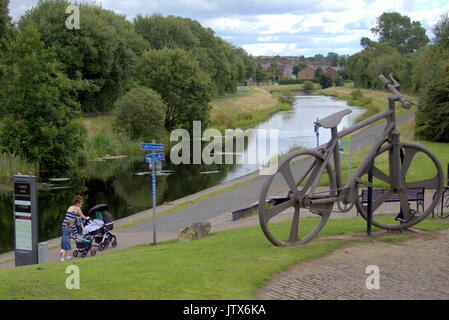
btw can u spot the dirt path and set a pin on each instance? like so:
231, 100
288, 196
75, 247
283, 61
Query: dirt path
413, 269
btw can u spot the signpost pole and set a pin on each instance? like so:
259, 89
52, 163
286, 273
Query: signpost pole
152, 160
153, 185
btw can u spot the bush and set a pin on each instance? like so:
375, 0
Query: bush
432, 118
141, 113
338, 80
290, 81
308, 86
325, 81
356, 94
184, 87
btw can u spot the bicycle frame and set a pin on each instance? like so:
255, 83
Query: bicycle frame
390, 133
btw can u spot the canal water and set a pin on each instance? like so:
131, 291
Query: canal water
125, 183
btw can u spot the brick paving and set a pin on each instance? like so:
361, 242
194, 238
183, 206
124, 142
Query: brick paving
414, 269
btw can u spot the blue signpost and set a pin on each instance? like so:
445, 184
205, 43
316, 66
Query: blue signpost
152, 159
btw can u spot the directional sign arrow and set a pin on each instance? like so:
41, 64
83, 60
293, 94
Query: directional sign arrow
155, 157
151, 146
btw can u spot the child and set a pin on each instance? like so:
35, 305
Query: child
65, 240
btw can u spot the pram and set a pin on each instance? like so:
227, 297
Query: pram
83, 246
99, 226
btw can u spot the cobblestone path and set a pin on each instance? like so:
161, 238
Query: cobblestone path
414, 269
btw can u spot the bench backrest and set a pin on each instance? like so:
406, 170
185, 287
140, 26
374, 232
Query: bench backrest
413, 194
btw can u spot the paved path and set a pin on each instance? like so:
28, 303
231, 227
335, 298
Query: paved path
410, 270
244, 90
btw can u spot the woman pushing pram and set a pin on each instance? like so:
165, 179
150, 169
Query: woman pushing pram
96, 229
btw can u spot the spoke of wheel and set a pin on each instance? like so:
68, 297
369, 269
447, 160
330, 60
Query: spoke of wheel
301, 179
288, 176
382, 176
408, 157
311, 180
431, 183
379, 201
271, 212
294, 229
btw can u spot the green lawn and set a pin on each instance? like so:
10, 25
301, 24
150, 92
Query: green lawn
230, 264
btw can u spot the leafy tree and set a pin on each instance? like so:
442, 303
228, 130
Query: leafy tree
102, 53
433, 113
318, 72
5, 23
366, 42
183, 86
441, 31
141, 113
261, 74
225, 64
39, 105
325, 81
400, 32
298, 67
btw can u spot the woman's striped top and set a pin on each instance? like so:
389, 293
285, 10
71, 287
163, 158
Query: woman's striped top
73, 216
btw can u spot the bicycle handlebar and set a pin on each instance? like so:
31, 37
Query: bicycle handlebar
405, 103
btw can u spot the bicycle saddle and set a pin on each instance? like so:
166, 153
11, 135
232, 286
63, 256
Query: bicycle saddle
333, 120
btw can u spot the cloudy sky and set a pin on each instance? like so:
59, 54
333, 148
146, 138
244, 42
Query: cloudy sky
280, 27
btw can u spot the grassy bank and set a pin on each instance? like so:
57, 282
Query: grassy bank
374, 101
230, 264
245, 111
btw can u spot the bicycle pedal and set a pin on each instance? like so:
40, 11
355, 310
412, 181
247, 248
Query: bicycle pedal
400, 216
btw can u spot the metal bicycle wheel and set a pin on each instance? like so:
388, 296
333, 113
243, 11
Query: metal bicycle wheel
420, 168
444, 205
286, 192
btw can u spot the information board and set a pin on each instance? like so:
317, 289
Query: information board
25, 220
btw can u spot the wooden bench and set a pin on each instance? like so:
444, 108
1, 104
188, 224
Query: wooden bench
413, 194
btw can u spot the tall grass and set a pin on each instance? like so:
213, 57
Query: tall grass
246, 112
11, 164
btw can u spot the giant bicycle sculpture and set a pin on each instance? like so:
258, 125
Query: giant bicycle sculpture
315, 184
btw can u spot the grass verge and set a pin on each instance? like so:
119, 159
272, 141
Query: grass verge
230, 264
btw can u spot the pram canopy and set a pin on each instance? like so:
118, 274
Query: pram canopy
94, 225
99, 207
99, 212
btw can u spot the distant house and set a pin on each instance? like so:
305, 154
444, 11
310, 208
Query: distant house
316, 64
306, 73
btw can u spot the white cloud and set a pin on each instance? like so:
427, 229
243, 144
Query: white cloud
282, 26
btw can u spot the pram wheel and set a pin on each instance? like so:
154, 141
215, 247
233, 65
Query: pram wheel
101, 246
114, 242
75, 253
93, 252
83, 255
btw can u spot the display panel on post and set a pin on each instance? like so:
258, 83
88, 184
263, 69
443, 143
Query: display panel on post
25, 220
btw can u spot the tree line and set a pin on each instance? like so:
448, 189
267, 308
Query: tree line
420, 64
50, 75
